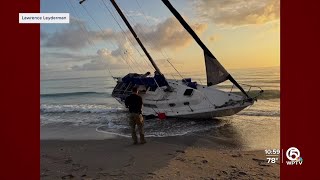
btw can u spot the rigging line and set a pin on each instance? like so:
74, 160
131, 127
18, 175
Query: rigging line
144, 15
163, 51
138, 28
134, 34
135, 23
103, 33
142, 38
85, 31
173, 77
138, 40
175, 69
82, 27
92, 18
92, 43
141, 55
128, 55
123, 30
124, 41
132, 58
114, 17
99, 57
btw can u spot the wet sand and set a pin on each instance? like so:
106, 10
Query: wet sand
181, 157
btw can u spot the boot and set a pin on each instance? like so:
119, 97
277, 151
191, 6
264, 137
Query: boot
134, 138
142, 140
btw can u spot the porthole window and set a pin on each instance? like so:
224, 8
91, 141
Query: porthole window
172, 104
188, 92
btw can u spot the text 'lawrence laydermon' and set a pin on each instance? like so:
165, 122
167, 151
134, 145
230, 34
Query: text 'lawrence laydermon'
47, 18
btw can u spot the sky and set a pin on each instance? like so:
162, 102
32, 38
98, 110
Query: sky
240, 33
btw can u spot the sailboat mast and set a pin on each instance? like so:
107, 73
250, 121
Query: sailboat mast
198, 40
135, 36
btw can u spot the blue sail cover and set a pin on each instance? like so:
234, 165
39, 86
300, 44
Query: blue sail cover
190, 83
138, 79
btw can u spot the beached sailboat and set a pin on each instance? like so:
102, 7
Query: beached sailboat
182, 98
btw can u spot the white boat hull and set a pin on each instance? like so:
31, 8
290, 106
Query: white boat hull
204, 102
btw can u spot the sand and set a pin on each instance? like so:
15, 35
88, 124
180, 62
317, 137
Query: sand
183, 157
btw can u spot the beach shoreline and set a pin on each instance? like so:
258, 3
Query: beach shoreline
183, 157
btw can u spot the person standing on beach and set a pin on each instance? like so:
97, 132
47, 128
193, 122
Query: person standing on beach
134, 103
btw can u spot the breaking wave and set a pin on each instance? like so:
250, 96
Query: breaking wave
74, 94
81, 108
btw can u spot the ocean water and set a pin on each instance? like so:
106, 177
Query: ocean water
81, 107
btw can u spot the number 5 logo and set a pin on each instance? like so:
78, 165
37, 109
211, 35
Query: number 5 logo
293, 153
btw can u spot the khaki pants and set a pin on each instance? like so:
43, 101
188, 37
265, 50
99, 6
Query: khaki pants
137, 119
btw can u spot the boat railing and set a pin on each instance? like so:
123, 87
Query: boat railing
251, 91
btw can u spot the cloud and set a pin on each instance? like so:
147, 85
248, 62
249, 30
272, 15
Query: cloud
150, 19
105, 59
75, 36
238, 12
124, 49
94, 65
62, 61
62, 57
102, 60
76, 39
167, 34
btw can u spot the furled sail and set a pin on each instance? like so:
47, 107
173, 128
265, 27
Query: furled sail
215, 71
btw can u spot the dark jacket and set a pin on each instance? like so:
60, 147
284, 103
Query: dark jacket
134, 103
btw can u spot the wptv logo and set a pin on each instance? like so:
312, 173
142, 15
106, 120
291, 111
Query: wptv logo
293, 155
